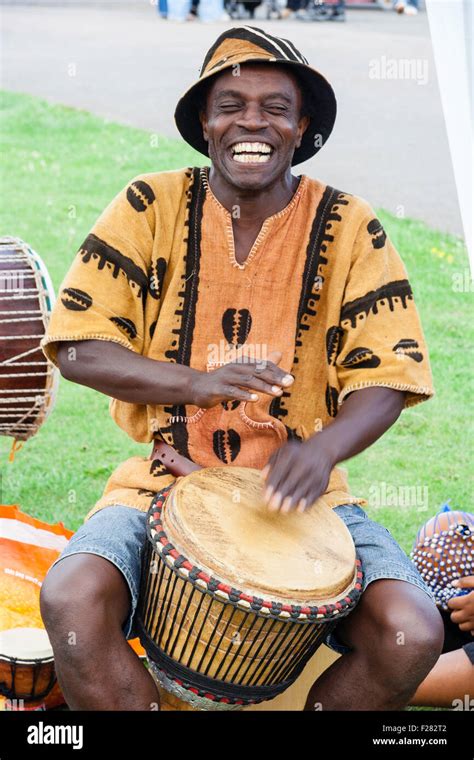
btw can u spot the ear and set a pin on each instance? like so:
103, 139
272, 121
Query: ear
203, 120
302, 127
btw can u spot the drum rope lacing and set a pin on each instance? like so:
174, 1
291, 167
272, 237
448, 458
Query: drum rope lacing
32, 416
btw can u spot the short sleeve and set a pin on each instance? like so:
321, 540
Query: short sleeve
380, 337
103, 294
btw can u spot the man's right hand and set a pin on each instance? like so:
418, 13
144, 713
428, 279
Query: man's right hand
462, 607
240, 380
128, 376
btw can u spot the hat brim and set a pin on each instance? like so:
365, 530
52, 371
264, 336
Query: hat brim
319, 95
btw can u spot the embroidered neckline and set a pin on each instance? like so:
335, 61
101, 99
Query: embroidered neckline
204, 173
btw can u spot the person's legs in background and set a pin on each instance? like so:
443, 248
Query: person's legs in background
408, 7
162, 8
251, 6
411, 8
323, 11
292, 6
338, 11
193, 11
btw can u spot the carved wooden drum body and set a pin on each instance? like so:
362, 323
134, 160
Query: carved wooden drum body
235, 599
28, 381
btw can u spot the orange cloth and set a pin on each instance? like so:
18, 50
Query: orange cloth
323, 284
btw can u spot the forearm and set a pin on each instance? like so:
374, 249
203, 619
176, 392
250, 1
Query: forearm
450, 680
364, 417
123, 374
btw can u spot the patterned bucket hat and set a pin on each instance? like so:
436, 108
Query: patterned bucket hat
248, 44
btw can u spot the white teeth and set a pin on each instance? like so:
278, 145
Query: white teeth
246, 158
251, 152
251, 147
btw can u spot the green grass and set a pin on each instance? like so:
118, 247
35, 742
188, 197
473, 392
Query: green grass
60, 168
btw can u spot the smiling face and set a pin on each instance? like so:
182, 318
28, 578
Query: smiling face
253, 124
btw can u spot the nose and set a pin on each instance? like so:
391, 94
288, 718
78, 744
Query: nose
252, 118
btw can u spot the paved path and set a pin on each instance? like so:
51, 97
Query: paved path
389, 144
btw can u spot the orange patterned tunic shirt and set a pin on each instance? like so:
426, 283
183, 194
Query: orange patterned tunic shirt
322, 283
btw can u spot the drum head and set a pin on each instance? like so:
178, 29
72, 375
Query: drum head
216, 518
25, 644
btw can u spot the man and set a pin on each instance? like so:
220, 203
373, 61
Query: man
243, 316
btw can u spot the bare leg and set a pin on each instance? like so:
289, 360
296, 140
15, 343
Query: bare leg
84, 603
451, 678
396, 635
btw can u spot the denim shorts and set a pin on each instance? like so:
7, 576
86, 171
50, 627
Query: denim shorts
118, 533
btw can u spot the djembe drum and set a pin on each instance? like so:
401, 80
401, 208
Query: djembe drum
235, 599
444, 552
28, 381
27, 672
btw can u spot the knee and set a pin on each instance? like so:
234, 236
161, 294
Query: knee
417, 636
409, 642
403, 626
54, 598
80, 587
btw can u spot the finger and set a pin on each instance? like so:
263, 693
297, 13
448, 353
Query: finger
285, 504
271, 372
273, 495
247, 378
268, 488
302, 505
258, 384
278, 375
275, 357
312, 497
288, 503
466, 582
457, 602
285, 488
459, 616
231, 392
293, 504
279, 462
293, 489
304, 496
265, 473
467, 626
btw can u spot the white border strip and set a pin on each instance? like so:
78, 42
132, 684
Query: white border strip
451, 23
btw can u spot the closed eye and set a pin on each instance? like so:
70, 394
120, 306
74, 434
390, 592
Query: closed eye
236, 106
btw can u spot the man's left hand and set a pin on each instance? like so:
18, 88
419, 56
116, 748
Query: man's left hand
296, 475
